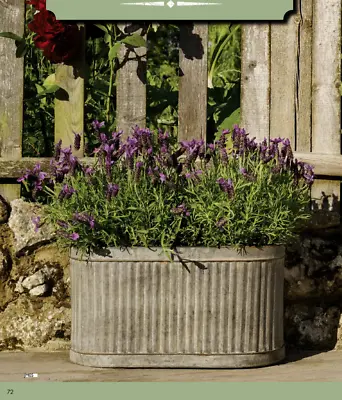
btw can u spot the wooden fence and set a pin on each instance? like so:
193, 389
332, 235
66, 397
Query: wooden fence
290, 80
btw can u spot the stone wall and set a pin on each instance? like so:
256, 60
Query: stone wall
35, 285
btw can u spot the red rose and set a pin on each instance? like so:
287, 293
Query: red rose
45, 24
62, 47
39, 5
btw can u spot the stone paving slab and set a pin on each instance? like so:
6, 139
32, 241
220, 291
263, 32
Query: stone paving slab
56, 367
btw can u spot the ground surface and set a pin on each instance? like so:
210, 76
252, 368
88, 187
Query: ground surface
55, 366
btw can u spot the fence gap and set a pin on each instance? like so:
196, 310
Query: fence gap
193, 81
12, 19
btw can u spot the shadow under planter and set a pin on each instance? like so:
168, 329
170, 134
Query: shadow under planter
209, 308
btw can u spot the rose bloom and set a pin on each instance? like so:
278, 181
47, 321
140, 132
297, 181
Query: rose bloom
63, 47
59, 42
45, 24
39, 5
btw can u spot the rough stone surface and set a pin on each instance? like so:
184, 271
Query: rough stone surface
311, 327
4, 210
21, 224
34, 323
39, 290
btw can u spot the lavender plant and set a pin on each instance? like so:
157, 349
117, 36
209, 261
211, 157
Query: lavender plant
151, 191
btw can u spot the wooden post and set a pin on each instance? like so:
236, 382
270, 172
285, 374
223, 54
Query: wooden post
326, 99
69, 103
284, 53
256, 80
12, 14
131, 89
193, 83
304, 76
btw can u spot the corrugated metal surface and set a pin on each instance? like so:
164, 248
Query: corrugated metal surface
161, 308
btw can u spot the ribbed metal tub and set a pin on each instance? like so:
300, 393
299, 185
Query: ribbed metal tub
136, 309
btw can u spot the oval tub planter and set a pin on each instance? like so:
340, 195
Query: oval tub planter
136, 309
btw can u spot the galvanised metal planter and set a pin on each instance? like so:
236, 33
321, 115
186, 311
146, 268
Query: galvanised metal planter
137, 309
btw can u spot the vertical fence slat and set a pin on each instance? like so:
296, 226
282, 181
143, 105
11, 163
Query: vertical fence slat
193, 82
131, 89
284, 63
69, 109
255, 80
12, 14
326, 78
304, 79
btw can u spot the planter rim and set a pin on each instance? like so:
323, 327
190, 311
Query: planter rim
203, 254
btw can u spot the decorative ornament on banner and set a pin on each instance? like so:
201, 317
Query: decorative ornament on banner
205, 10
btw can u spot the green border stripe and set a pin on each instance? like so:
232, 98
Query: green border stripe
192, 10
168, 391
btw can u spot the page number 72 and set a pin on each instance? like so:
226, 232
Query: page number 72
9, 391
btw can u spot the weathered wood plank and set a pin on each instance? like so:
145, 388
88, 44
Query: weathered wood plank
326, 78
12, 14
325, 164
255, 80
131, 88
69, 109
304, 76
284, 45
193, 82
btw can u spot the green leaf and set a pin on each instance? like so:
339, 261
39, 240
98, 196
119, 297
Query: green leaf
113, 52
51, 89
155, 27
134, 40
39, 88
229, 122
50, 80
11, 35
102, 27
21, 49
49, 86
107, 38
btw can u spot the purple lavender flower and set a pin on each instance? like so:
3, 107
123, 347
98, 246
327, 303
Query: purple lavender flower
97, 125
112, 190
226, 186
138, 167
36, 223
62, 224
162, 177
180, 210
77, 141
103, 138
74, 236
66, 192
85, 218
24, 177
247, 175
194, 175
88, 171
308, 174
58, 150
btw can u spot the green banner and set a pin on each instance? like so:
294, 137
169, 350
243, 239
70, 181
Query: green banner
200, 10
168, 391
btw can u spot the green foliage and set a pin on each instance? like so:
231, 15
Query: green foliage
102, 49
